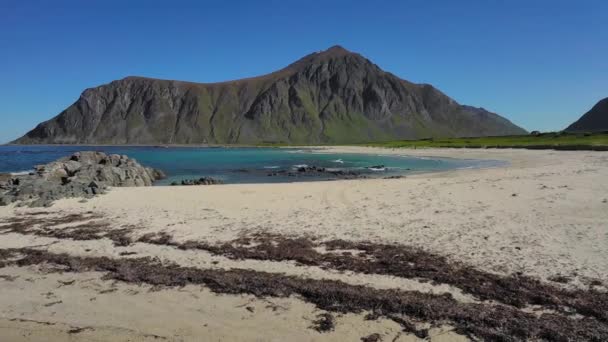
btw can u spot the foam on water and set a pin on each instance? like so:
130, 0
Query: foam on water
21, 173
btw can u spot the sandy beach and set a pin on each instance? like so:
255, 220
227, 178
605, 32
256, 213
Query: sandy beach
542, 217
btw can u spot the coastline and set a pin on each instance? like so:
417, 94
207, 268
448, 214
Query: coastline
252, 170
542, 215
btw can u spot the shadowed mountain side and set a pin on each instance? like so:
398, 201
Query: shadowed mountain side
334, 96
595, 120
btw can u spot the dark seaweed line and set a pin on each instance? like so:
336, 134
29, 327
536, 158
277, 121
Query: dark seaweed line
485, 321
394, 260
404, 262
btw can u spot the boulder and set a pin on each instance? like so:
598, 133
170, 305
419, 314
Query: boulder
58, 174
200, 181
82, 174
71, 167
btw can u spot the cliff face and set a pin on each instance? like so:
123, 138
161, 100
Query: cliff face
334, 96
595, 120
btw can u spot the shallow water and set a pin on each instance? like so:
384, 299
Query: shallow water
238, 165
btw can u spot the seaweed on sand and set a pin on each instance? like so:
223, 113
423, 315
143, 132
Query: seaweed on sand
485, 321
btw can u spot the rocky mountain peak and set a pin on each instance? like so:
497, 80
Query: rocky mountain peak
335, 54
336, 50
331, 96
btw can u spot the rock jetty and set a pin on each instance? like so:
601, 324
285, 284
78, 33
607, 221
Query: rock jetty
83, 174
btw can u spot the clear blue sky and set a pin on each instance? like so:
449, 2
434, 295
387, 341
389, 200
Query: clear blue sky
540, 63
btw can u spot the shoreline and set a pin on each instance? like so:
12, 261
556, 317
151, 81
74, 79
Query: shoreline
520, 162
541, 216
343, 151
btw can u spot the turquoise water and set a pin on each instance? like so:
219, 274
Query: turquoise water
237, 165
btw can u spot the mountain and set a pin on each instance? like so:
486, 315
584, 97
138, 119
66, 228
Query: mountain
595, 120
333, 96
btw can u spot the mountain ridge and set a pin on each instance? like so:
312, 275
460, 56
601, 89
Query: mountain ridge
595, 120
331, 96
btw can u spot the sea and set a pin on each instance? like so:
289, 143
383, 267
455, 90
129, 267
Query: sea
240, 164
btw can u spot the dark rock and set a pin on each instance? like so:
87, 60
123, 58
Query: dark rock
200, 181
277, 173
83, 174
71, 167
314, 171
209, 181
346, 174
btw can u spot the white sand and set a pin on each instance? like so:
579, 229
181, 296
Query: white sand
544, 214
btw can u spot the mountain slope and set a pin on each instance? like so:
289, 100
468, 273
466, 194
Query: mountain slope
334, 96
595, 120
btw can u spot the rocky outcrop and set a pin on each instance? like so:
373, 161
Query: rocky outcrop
595, 120
316, 172
83, 174
199, 181
333, 96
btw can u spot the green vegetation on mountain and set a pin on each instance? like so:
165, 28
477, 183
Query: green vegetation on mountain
330, 97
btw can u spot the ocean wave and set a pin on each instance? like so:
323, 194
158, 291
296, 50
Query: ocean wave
339, 161
297, 166
21, 173
271, 167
